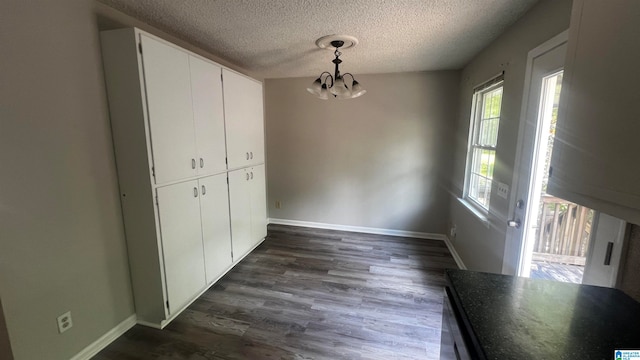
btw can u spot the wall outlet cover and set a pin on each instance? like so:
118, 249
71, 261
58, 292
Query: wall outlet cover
64, 322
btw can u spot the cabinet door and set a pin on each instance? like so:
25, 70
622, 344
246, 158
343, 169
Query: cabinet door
595, 152
258, 203
244, 122
208, 116
179, 210
240, 211
255, 109
216, 233
168, 89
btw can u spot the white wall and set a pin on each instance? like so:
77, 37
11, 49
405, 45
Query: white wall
62, 243
482, 247
381, 160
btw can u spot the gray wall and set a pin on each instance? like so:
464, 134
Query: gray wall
481, 247
381, 160
62, 243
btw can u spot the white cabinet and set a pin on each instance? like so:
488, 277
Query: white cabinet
169, 129
168, 88
243, 107
196, 238
248, 209
216, 231
595, 157
208, 116
179, 211
186, 118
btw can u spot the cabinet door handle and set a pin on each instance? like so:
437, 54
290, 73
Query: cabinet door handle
204, 190
195, 192
252, 175
201, 163
607, 256
251, 154
247, 156
247, 176
193, 163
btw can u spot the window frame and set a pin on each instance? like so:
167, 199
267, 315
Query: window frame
473, 143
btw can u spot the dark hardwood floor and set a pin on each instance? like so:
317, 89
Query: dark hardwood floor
310, 294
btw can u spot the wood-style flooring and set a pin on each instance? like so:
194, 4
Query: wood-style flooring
557, 272
310, 294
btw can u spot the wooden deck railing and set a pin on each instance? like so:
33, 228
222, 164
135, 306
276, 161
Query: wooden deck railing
564, 233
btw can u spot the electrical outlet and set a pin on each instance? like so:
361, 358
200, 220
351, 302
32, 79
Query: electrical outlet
503, 190
278, 204
64, 322
452, 231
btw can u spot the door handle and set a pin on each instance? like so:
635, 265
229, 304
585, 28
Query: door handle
247, 176
195, 192
193, 163
201, 163
251, 154
204, 190
247, 156
607, 256
514, 223
252, 175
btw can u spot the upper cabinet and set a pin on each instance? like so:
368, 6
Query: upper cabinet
185, 112
595, 158
208, 116
244, 120
168, 87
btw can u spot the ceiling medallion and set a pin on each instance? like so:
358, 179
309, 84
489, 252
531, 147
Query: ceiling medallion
335, 84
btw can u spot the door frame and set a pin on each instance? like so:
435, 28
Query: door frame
514, 237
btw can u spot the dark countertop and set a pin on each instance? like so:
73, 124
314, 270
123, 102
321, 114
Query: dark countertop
510, 317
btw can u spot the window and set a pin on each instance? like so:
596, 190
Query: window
483, 138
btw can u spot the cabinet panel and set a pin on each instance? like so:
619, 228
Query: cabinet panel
258, 202
243, 120
168, 89
216, 233
594, 156
179, 211
240, 210
208, 116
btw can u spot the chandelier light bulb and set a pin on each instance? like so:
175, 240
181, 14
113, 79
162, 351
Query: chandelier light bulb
315, 87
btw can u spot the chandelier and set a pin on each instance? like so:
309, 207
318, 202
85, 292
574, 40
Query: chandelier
335, 84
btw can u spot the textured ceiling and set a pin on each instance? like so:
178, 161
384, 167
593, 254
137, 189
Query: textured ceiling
276, 38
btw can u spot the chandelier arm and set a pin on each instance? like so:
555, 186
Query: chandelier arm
328, 77
352, 77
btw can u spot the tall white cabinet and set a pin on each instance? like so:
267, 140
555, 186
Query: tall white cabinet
180, 123
595, 156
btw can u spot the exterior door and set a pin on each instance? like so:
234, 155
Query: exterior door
168, 88
585, 246
179, 210
545, 60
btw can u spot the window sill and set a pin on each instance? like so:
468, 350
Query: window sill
480, 214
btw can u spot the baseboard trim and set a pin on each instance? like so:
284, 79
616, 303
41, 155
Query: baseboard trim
106, 339
361, 229
454, 253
